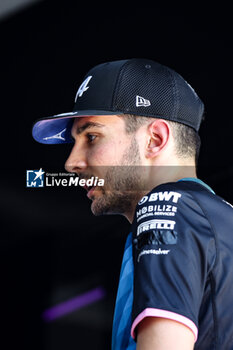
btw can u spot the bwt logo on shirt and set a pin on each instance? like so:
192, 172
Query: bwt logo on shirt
35, 178
161, 196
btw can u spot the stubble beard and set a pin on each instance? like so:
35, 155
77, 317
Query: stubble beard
122, 186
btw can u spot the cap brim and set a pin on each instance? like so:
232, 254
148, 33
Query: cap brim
57, 129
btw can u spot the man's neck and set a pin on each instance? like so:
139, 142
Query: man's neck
158, 175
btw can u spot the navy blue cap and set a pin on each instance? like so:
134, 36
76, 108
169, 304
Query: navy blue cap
134, 86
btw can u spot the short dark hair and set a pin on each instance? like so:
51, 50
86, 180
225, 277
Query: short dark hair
187, 140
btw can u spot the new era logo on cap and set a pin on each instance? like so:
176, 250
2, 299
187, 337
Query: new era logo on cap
142, 102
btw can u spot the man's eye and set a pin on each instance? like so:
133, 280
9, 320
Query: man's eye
91, 137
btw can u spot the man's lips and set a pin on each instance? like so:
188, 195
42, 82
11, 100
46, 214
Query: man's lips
89, 190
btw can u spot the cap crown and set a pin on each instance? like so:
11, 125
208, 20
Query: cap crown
140, 87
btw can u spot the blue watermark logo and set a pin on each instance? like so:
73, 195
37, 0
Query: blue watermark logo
35, 178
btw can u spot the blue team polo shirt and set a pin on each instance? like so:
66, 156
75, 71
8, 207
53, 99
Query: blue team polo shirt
175, 233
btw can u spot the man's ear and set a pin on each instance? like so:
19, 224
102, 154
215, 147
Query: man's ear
158, 136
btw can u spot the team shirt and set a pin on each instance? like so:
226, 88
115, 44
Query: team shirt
178, 264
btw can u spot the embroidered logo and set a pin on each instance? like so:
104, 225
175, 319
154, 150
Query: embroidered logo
142, 102
83, 87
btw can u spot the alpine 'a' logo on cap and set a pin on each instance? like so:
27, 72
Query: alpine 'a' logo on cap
83, 87
142, 102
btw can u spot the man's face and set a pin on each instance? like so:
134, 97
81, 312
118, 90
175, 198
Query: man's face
103, 149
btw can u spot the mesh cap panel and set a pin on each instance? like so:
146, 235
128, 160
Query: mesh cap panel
148, 80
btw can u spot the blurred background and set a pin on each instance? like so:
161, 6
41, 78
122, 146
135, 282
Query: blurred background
54, 252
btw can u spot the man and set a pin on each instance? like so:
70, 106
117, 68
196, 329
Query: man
135, 123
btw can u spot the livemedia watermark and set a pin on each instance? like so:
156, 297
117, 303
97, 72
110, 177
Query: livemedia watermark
40, 178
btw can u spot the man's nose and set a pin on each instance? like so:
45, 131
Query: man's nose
76, 161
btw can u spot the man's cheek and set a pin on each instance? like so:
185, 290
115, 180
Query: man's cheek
105, 155
98, 155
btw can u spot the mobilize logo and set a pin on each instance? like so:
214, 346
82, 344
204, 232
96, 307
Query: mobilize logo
156, 209
38, 178
153, 210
